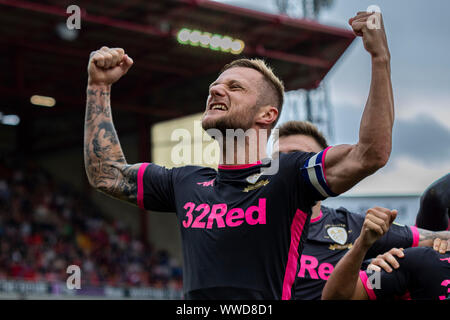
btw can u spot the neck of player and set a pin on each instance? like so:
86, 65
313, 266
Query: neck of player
239, 151
316, 210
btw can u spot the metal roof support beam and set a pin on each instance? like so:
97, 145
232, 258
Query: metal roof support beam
107, 21
72, 52
282, 19
65, 103
294, 58
116, 11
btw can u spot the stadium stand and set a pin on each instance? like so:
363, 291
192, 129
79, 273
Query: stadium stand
46, 226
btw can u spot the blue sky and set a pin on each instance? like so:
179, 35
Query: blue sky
419, 38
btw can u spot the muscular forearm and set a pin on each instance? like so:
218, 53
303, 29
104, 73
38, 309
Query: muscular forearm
341, 284
105, 163
375, 135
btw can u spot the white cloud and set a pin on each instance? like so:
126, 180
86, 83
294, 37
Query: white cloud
436, 106
401, 176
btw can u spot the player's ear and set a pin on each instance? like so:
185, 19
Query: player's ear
266, 115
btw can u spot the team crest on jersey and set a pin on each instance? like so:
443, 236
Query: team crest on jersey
338, 234
253, 178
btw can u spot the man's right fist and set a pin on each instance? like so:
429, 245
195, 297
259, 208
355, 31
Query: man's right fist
377, 223
108, 65
370, 26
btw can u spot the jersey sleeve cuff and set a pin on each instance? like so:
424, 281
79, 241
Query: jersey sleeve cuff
314, 173
416, 236
367, 286
140, 185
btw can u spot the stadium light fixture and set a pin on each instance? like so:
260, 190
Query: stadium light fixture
43, 101
9, 119
216, 42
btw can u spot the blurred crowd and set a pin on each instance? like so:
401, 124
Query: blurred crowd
46, 226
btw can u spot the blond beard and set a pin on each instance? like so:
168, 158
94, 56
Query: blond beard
233, 122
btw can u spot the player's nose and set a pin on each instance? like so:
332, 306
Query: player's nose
217, 91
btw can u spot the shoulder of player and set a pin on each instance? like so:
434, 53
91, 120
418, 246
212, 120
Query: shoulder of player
419, 256
350, 215
292, 156
188, 168
340, 213
192, 170
183, 171
340, 217
293, 160
328, 216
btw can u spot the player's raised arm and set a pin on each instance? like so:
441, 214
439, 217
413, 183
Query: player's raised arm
344, 283
105, 164
346, 165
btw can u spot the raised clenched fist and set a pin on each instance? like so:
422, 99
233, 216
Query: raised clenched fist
369, 26
108, 65
376, 224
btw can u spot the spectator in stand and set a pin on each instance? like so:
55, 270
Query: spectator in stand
45, 227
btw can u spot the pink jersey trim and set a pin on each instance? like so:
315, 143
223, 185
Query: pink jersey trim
323, 164
140, 185
238, 166
291, 268
317, 218
416, 236
367, 287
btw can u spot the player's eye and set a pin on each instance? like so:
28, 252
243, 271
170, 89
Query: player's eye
235, 86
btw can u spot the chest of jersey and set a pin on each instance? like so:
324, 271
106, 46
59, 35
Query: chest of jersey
248, 202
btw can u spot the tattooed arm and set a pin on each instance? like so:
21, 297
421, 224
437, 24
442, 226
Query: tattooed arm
105, 164
426, 237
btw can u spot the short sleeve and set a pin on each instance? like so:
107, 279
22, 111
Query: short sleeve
155, 188
314, 176
398, 236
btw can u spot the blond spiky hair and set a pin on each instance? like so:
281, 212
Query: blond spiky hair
271, 79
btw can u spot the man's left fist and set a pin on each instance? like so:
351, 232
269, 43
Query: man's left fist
369, 26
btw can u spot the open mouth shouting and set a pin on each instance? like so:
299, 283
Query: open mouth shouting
218, 106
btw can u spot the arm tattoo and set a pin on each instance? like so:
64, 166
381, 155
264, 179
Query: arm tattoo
128, 184
427, 237
105, 163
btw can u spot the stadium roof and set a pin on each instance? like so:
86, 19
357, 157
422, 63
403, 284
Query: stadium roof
168, 79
